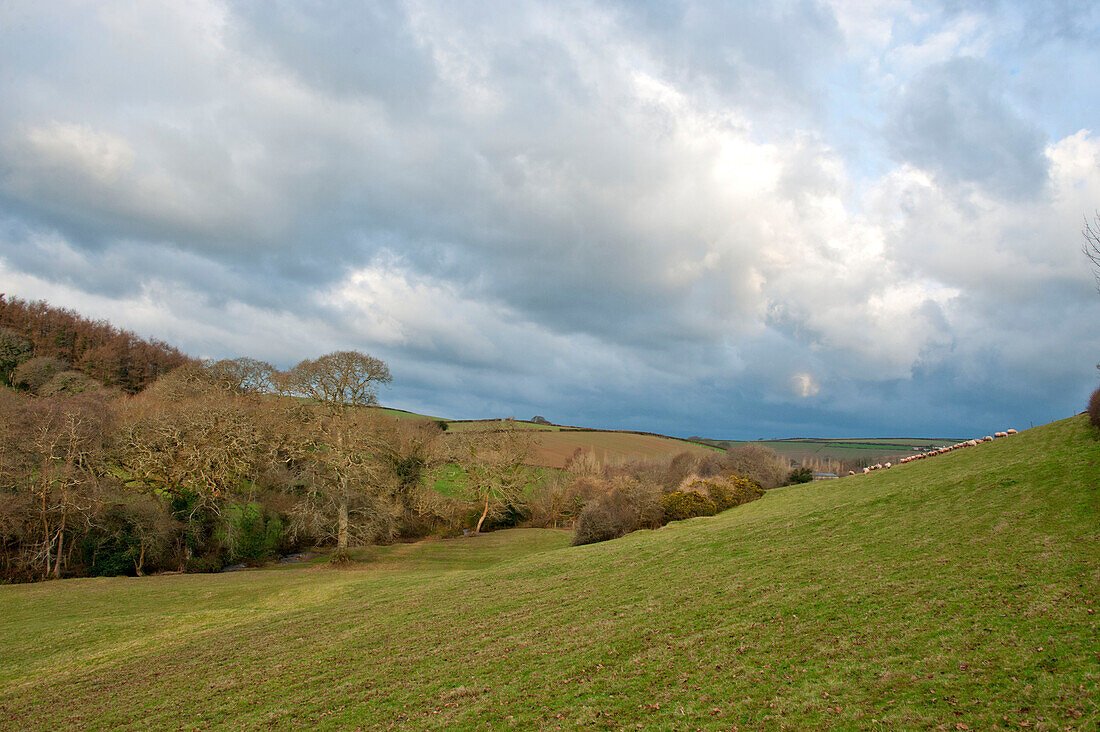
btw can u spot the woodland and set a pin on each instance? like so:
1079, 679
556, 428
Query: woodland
120, 455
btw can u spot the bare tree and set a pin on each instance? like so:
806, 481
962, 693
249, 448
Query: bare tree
66, 440
1091, 247
495, 462
244, 375
345, 464
207, 444
350, 491
338, 380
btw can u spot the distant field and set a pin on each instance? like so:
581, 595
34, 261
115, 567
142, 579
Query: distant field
474, 425
553, 449
555, 444
959, 592
450, 479
872, 448
401, 413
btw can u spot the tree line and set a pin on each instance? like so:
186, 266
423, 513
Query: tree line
40, 343
232, 461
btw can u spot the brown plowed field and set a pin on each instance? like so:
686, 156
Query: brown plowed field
553, 449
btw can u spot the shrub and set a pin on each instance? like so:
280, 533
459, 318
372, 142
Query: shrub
727, 492
584, 463
679, 468
14, 350
1094, 408
205, 564
627, 506
680, 505
710, 465
758, 462
68, 383
554, 502
34, 374
800, 475
130, 536
251, 533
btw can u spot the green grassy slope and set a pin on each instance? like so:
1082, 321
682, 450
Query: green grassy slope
961, 590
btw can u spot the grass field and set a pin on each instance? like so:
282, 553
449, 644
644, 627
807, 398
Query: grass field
450, 479
959, 592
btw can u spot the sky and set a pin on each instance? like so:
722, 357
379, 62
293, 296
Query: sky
733, 220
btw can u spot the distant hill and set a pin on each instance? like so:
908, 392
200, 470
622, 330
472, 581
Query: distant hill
556, 444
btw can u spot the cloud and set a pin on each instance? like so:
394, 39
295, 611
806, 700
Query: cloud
805, 385
952, 119
689, 217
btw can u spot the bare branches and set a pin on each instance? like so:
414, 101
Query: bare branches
338, 380
495, 465
1091, 247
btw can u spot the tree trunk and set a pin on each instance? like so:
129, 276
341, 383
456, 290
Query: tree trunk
46, 526
140, 561
49, 552
484, 513
342, 526
60, 548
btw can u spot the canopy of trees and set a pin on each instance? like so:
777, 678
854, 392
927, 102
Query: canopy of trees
200, 471
113, 357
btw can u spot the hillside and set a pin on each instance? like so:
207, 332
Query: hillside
953, 593
555, 444
554, 448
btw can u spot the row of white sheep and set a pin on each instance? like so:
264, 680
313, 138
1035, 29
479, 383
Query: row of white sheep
940, 451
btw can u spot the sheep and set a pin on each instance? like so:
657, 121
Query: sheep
851, 472
887, 465
866, 471
1011, 432
987, 438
